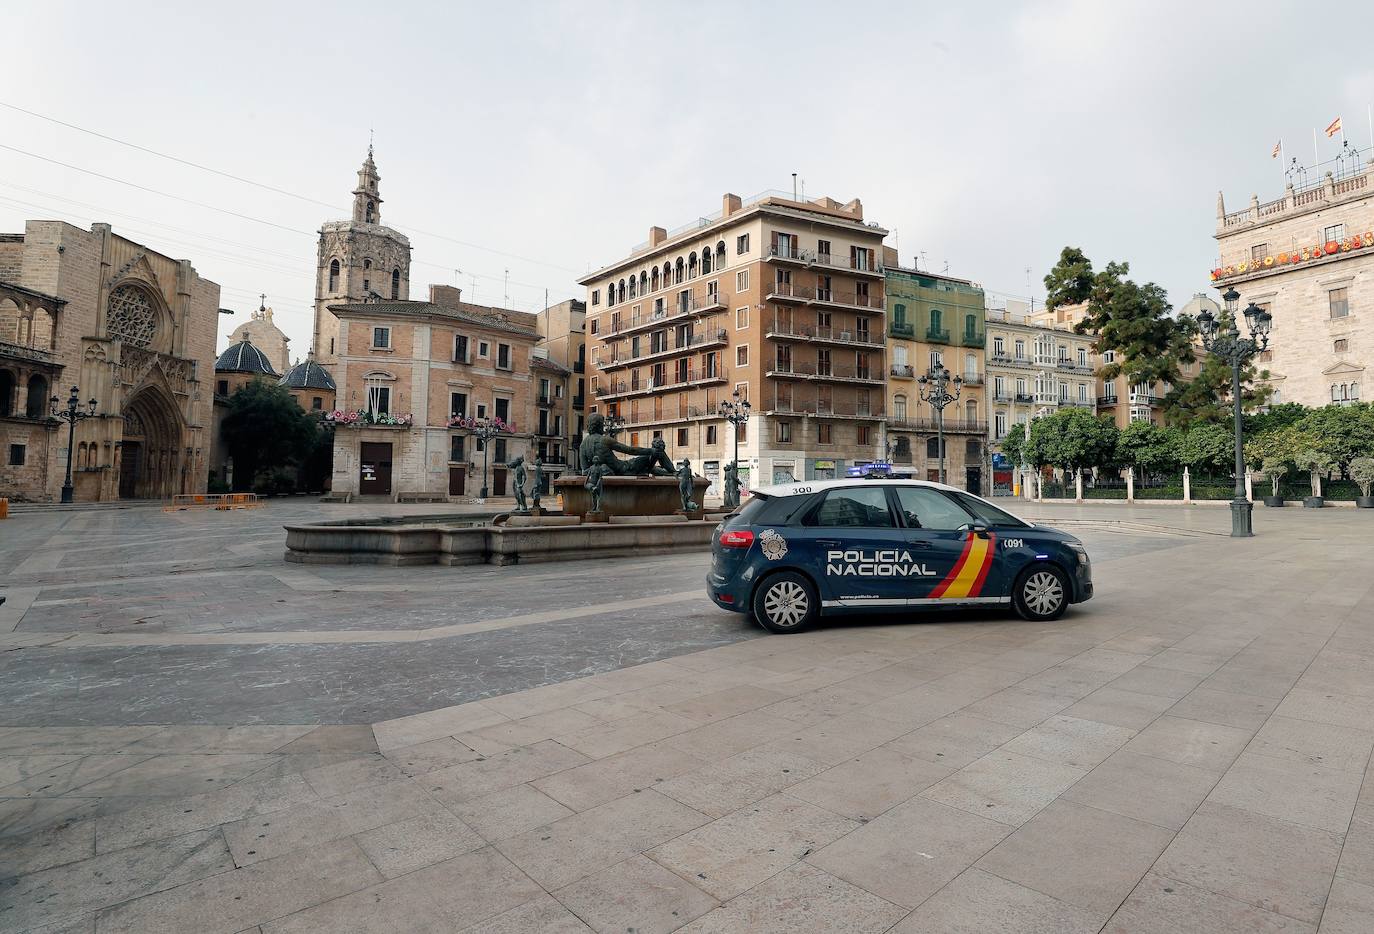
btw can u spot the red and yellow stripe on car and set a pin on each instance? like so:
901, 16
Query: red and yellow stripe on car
971, 570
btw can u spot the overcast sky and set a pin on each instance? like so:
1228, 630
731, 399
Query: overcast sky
546, 138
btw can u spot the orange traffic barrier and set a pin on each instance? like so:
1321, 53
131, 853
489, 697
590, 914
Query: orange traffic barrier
221, 501
4, 507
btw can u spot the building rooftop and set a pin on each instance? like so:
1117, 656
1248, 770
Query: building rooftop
501, 319
308, 375
243, 357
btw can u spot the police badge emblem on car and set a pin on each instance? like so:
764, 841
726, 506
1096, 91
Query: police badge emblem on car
773, 545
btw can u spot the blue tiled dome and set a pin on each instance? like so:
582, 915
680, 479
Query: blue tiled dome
308, 375
243, 357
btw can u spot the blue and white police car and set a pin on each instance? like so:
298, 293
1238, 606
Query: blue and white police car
796, 551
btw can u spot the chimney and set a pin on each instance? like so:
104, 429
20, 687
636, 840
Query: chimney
657, 235
445, 296
730, 204
856, 208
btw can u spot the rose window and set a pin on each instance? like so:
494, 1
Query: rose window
131, 318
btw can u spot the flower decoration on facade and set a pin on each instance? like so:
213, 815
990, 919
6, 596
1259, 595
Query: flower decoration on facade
1363, 241
1268, 261
1332, 246
361, 418
461, 421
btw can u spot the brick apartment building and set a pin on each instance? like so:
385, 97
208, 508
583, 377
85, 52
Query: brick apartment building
776, 299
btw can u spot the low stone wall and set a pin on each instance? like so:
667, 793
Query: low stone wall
400, 545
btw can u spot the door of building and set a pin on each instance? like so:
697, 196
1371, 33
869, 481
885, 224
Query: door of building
974, 480
130, 454
374, 470
457, 481
498, 481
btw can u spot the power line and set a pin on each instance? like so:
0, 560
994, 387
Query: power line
257, 184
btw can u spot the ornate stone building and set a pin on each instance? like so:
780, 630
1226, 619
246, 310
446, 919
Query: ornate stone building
1308, 259
359, 260
131, 328
265, 336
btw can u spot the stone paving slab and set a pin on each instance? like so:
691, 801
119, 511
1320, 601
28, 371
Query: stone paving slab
1176, 758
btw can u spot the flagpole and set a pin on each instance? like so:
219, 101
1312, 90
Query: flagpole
1369, 110
1315, 160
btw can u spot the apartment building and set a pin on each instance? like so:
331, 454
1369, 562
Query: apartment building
413, 377
1308, 259
1036, 364
562, 332
776, 299
936, 320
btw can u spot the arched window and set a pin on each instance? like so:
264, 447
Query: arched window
1335, 392
367, 264
971, 411
632, 287
395, 284
970, 366
333, 275
620, 292
7, 387
1355, 391
692, 265
643, 282
130, 316
679, 271
932, 447
720, 255
653, 281
705, 261
371, 213
37, 406
935, 319
667, 274
899, 407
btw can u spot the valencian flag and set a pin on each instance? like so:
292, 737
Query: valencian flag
1334, 128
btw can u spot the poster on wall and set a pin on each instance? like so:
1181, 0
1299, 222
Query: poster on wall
712, 473
783, 473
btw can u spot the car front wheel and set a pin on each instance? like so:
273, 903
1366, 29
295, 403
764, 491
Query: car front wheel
1042, 593
786, 602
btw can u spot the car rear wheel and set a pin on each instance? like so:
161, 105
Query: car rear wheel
1042, 593
786, 602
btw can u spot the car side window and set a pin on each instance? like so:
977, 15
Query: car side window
852, 507
989, 513
924, 507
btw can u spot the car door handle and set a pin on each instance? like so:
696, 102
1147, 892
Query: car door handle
828, 542
920, 543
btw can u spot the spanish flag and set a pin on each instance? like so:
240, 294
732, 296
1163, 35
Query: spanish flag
1278, 148
1334, 128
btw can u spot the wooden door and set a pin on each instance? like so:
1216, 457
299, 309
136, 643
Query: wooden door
498, 482
457, 481
131, 453
374, 468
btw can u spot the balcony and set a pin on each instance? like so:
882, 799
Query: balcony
956, 426
858, 266
973, 338
544, 402
813, 371
642, 386
850, 301
1140, 398
901, 329
1108, 401
1004, 397
692, 305
579, 366
787, 293
1076, 403
1024, 398
786, 254
1068, 366
971, 379
715, 337
937, 335
825, 408
786, 330
901, 371
20, 352
579, 401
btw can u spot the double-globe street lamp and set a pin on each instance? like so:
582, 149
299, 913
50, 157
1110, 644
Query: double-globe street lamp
735, 411
935, 389
486, 430
1222, 338
71, 415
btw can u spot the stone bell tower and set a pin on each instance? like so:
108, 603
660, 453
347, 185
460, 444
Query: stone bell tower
358, 260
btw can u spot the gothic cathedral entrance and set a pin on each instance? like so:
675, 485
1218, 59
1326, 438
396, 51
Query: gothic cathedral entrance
151, 452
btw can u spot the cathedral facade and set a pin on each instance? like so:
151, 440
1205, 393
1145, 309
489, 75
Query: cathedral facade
128, 327
359, 260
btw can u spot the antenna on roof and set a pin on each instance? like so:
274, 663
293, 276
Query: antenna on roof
923, 260
794, 186
507, 287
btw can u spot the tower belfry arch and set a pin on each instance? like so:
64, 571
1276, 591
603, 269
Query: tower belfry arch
359, 260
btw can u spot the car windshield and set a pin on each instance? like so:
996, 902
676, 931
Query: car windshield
751, 508
989, 513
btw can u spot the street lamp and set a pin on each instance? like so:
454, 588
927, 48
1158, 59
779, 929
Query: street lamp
612, 423
934, 388
735, 412
71, 415
1222, 338
484, 432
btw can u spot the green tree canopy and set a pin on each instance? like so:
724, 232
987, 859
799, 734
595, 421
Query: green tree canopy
1206, 398
1013, 444
1070, 281
1072, 439
1274, 417
1343, 431
1209, 447
265, 429
1148, 448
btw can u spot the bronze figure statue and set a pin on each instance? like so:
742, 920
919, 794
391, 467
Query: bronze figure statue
643, 461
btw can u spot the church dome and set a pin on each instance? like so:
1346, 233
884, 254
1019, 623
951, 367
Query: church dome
243, 357
308, 375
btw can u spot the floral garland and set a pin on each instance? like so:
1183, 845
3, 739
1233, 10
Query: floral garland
1330, 248
460, 421
363, 417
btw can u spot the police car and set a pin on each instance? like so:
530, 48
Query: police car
799, 550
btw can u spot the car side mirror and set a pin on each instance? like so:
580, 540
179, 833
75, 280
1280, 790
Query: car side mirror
977, 527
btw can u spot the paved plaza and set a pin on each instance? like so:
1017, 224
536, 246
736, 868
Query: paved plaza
198, 737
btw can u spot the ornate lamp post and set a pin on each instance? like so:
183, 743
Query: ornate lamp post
736, 412
1222, 338
71, 415
934, 389
484, 432
613, 424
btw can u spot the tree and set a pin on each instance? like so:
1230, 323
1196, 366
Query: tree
1014, 443
1073, 440
1206, 398
1209, 447
1147, 448
1070, 281
1316, 462
265, 430
1343, 431
1362, 472
1274, 417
